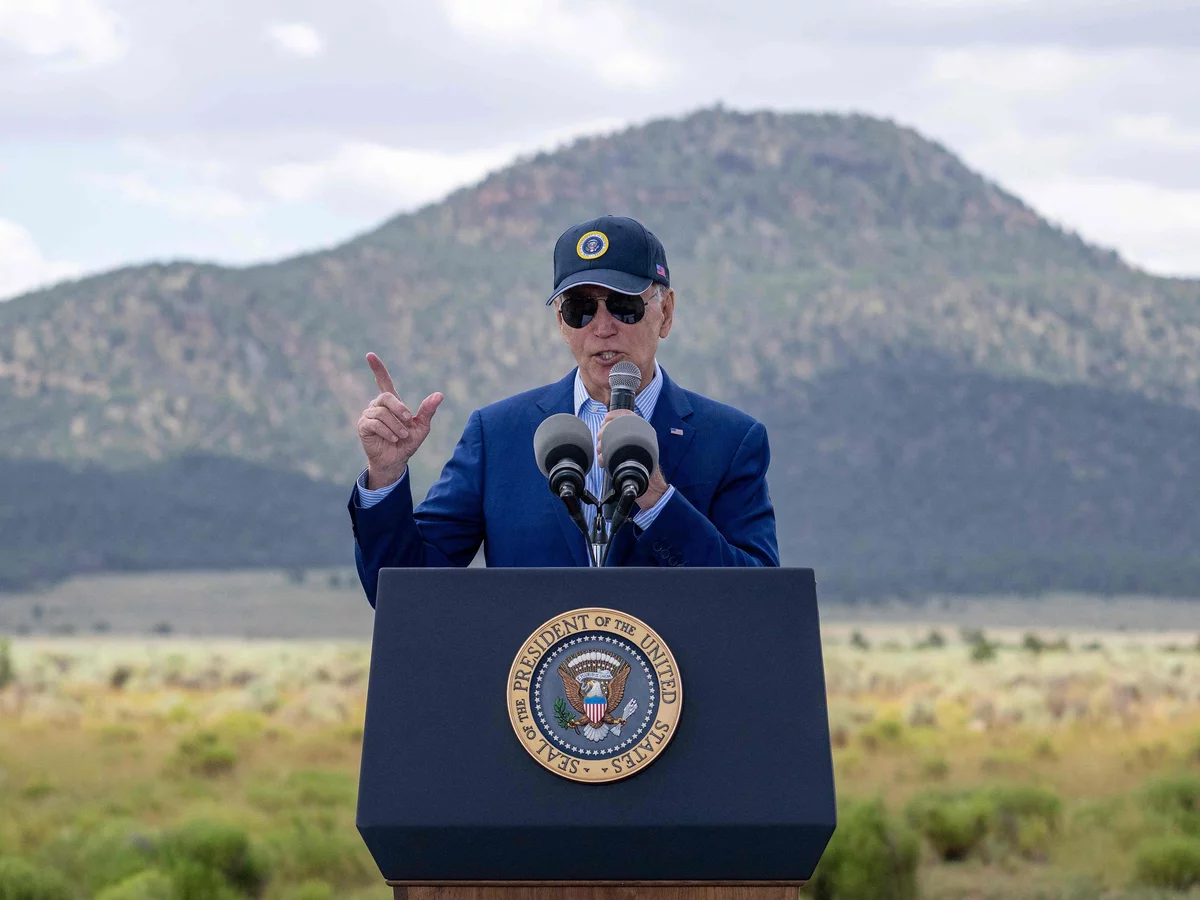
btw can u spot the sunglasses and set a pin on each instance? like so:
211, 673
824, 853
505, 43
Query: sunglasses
578, 310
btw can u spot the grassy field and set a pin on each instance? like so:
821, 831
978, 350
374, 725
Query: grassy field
1051, 763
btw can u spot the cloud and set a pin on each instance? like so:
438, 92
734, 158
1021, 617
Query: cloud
377, 179
75, 32
297, 39
1158, 229
201, 202
22, 265
623, 48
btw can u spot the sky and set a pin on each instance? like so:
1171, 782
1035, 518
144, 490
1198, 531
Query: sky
134, 131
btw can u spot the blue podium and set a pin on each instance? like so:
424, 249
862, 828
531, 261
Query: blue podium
493, 696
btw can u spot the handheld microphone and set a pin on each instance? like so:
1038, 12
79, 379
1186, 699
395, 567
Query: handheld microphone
563, 448
624, 381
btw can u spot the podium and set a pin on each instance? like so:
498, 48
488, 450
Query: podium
460, 797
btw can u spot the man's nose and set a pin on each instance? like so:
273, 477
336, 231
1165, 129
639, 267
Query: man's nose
604, 323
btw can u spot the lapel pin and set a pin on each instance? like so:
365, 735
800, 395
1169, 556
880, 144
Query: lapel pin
678, 431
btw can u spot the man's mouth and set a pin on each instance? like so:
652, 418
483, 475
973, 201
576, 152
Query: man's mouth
606, 355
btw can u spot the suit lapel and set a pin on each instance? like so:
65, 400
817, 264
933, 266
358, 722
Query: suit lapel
675, 432
560, 398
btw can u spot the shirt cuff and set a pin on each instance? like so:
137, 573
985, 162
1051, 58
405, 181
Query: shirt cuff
644, 519
367, 497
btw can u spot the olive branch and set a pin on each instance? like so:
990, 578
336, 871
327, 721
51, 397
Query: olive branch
561, 714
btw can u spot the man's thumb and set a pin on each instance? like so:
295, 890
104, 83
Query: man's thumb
429, 406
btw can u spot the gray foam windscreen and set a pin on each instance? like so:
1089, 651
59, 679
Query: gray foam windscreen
563, 435
630, 435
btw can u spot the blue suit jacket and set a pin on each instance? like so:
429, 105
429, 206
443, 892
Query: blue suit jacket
491, 491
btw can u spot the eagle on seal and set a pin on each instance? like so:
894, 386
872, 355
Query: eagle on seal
593, 693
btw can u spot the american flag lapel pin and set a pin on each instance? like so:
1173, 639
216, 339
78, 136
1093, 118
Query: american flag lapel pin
678, 431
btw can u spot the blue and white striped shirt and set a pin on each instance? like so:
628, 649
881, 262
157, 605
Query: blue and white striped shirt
593, 414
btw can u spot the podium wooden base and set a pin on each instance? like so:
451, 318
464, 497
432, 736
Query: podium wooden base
625, 890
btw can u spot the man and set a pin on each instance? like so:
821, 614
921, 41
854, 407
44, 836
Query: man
707, 505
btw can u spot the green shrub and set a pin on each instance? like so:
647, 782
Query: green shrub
882, 733
932, 641
1177, 799
316, 846
859, 641
954, 822
322, 787
871, 857
113, 853
7, 674
310, 890
1024, 817
205, 753
151, 884
20, 880
1171, 861
935, 768
191, 880
222, 848
983, 652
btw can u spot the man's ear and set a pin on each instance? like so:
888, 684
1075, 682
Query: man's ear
668, 309
562, 328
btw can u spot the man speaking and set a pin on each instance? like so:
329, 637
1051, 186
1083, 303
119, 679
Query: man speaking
706, 503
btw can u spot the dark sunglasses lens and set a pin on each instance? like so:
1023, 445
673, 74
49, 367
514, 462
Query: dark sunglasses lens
627, 308
578, 311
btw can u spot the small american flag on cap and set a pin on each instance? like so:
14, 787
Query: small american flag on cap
660, 270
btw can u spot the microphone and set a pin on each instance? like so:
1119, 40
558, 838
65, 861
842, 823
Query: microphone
630, 458
624, 381
563, 448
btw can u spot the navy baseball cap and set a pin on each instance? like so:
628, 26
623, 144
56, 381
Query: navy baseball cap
615, 252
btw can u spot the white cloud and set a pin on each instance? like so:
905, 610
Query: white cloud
297, 39
377, 179
1156, 228
22, 265
80, 32
1010, 70
622, 48
201, 202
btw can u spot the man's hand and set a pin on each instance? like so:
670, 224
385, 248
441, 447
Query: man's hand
658, 484
390, 433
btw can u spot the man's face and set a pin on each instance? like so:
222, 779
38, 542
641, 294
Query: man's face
603, 342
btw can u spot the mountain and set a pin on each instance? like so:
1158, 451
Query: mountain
959, 394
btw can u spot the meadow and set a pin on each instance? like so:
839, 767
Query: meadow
1005, 763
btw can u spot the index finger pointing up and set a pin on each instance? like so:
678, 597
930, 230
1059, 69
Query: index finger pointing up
382, 378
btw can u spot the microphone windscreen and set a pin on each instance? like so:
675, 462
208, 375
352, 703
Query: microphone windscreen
563, 435
627, 437
625, 376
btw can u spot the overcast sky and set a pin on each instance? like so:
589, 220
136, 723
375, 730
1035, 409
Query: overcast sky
139, 130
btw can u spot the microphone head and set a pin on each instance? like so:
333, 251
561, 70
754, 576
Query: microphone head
630, 437
625, 376
563, 436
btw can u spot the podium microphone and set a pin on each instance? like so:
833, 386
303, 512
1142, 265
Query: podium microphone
563, 448
630, 458
624, 381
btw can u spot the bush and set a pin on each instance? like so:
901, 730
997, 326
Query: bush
151, 884
317, 846
1177, 799
871, 857
954, 822
882, 733
112, 854
932, 641
205, 753
1169, 862
1024, 817
310, 890
7, 675
192, 880
224, 849
859, 642
20, 880
324, 788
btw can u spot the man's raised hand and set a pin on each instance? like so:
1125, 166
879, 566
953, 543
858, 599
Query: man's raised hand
389, 431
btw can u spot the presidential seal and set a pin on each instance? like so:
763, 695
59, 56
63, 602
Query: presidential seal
592, 245
594, 695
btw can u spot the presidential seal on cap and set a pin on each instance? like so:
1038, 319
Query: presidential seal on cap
594, 695
615, 252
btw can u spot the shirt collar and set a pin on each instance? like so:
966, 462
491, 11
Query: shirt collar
643, 403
